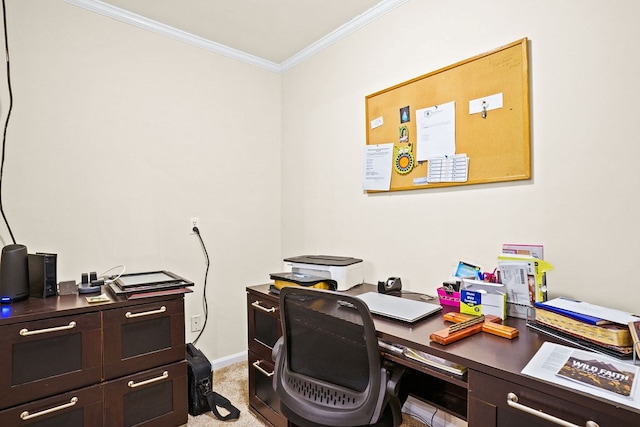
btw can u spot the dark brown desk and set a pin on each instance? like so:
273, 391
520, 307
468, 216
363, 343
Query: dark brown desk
65, 362
480, 397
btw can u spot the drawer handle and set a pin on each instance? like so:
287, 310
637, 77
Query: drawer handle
130, 315
256, 365
133, 384
512, 401
27, 416
256, 304
25, 332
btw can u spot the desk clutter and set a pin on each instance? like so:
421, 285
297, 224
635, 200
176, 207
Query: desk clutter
475, 300
517, 287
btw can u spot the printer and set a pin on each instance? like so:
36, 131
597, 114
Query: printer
345, 271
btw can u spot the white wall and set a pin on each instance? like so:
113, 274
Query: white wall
583, 200
118, 136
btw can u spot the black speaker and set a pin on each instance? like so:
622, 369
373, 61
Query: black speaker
42, 275
14, 273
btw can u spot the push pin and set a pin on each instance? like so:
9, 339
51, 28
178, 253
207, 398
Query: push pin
484, 109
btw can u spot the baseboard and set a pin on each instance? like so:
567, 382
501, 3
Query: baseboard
229, 360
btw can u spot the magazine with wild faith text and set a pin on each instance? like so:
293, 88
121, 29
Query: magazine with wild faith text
607, 375
586, 371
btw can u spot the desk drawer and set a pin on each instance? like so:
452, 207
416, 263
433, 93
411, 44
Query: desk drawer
488, 406
263, 316
157, 397
262, 396
142, 337
75, 409
45, 357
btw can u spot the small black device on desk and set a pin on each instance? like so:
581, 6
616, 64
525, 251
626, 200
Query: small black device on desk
392, 284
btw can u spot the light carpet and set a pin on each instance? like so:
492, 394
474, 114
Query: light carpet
231, 382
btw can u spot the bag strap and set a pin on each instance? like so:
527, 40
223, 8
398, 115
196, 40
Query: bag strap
216, 400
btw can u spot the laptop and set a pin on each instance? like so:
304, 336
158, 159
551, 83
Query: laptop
404, 309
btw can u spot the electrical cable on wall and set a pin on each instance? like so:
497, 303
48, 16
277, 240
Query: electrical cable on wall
204, 292
6, 123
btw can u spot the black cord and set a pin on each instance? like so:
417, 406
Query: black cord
204, 292
6, 123
434, 414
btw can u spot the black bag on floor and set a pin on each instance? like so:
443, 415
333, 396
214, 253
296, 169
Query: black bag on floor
200, 382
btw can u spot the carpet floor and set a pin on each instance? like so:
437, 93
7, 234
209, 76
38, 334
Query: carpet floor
231, 382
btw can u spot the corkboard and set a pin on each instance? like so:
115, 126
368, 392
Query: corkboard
498, 145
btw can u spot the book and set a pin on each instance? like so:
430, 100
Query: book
161, 292
634, 330
552, 306
588, 309
609, 334
536, 251
435, 362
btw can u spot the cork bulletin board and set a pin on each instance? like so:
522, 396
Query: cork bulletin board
489, 99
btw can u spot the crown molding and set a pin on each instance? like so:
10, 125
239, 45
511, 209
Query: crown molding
125, 16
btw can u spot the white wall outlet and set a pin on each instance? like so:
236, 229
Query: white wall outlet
196, 323
193, 222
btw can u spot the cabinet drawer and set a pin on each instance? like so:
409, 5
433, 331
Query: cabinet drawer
46, 357
74, 409
488, 406
263, 316
143, 336
157, 397
262, 396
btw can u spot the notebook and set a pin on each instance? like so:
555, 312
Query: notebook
399, 308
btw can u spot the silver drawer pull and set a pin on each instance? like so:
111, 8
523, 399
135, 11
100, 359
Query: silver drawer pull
130, 315
25, 332
256, 304
27, 416
512, 401
133, 384
256, 365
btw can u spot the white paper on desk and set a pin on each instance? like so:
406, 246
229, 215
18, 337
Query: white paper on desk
551, 357
436, 129
377, 167
515, 276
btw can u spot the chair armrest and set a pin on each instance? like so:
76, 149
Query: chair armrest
276, 349
395, 373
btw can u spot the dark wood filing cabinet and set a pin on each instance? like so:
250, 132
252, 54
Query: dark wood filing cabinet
264, 329
493, 392
64, 362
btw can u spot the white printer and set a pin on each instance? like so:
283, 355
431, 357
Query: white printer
346, 271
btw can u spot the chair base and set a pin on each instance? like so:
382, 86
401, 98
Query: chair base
385, 421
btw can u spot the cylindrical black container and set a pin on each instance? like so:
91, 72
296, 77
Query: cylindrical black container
14, 273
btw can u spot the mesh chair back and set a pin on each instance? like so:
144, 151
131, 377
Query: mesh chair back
329, 370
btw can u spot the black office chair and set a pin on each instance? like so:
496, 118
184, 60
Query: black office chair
328, 368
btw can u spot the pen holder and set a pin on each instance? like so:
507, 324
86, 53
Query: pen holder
449, 297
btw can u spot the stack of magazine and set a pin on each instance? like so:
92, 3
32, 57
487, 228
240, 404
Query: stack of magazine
148, 284
591, 326
435, 362
586, 371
